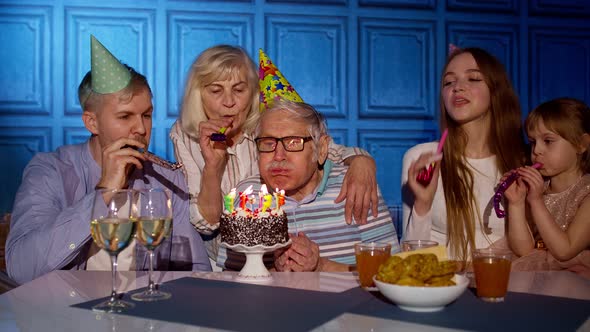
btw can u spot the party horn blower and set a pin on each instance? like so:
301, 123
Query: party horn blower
503, 187
219, 136
155, 159
425, 175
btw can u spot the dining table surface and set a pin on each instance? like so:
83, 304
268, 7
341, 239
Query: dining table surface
50, 302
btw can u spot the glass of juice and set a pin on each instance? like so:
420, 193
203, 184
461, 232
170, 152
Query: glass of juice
492, 272
369, 256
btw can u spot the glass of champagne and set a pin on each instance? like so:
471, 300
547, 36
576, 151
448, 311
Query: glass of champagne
153, 212
112, 230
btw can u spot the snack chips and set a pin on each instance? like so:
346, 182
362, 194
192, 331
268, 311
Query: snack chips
422, 270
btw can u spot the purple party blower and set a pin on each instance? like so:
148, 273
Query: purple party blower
503, 187
219, 136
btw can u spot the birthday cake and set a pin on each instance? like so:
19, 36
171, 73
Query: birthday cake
252, 224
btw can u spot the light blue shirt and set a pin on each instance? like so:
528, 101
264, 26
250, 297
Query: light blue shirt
50, 223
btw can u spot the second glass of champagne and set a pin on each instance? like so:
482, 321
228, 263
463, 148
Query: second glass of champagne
153, 213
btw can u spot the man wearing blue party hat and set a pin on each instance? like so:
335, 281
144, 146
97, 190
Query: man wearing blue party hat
50, 227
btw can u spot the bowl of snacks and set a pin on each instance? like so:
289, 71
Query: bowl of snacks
420, 282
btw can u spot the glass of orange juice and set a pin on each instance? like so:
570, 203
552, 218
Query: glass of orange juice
492, 272
369, 256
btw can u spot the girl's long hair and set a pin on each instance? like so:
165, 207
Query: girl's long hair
505, 141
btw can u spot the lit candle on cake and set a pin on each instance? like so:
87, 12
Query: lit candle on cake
244, 197
281, 198
266, 198
228, 200
276, 195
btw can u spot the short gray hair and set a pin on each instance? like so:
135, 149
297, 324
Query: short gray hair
299, 111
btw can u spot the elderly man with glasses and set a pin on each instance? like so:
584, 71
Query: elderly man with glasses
292, 142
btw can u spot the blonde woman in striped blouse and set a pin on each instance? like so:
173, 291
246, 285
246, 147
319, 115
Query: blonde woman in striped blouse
222, 91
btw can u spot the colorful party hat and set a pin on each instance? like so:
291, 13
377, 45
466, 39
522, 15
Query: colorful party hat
273, 85
108, 74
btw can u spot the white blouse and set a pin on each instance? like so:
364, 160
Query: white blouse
433, 225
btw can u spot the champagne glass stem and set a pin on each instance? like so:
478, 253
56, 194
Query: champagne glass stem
151, 282
114, 278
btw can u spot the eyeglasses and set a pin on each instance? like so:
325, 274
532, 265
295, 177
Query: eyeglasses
290, 143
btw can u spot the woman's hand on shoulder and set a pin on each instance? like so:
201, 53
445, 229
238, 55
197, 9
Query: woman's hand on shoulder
359, 188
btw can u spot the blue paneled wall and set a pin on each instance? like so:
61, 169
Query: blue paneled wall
371, 66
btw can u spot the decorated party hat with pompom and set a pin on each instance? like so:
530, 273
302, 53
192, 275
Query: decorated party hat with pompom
273, 85
108, 74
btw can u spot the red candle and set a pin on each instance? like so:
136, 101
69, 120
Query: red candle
243, 199
281, 198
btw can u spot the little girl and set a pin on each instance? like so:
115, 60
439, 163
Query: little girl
557, 196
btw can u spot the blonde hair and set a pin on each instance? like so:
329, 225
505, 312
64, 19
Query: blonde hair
505, 141
569, 118
216, 63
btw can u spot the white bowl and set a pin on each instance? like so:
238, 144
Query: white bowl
423, 299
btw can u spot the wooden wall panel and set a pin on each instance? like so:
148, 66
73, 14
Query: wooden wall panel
340, 136
395, 75
422, 4
550, 75
75, 135
24, 55
17, 147
484, 5
313, 2
559, 7
129, 31
311, 53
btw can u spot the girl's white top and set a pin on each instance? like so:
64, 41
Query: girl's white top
433, 225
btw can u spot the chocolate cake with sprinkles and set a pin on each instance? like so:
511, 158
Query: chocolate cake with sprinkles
247, 226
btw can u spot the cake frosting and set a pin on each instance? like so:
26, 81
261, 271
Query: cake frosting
249, 226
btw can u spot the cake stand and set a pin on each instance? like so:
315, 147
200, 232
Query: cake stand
254, 269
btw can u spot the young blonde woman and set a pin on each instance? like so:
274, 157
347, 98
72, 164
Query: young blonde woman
222, 92
482, 114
